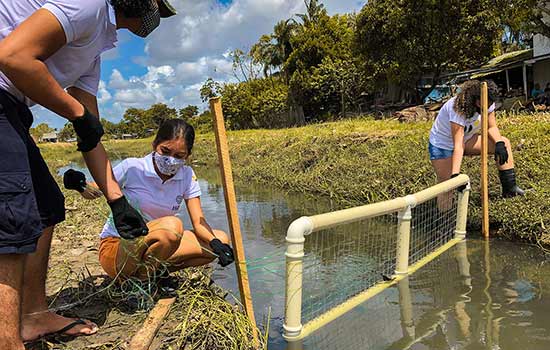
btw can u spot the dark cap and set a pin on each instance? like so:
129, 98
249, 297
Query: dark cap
165, 9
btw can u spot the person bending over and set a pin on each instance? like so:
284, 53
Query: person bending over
456, 133
157, 185
50, 54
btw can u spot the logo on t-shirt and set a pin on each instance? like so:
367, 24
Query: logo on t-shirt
179, 199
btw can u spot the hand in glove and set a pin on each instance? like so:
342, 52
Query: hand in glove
223, 251
89, 130
128, 221
74, 180
461, 188
501, 153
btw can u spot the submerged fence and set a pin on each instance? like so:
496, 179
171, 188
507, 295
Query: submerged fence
338, 260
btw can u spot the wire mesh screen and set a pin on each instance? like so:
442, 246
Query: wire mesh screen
375, 324
342, 262
433, 225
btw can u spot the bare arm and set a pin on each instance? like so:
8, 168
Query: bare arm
97, 160
201, 227
22, 56
458, 152
494, 132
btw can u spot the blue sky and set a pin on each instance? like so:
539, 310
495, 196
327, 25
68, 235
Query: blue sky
171, 64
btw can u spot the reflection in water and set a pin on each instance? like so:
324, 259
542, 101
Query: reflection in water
476, 296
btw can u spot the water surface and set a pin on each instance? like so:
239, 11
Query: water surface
478, 295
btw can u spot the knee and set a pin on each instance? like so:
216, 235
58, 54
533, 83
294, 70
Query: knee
171, 224
507, 142
222, 236
168, 232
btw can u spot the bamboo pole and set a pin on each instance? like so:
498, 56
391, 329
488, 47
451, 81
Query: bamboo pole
231, 206
484, 159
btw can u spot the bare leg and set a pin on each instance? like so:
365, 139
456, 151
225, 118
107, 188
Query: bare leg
193, 251
37, 321
507, 172
473, 148
141, 257
443, 168
11, 280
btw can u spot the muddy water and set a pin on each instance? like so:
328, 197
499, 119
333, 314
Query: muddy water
475, 296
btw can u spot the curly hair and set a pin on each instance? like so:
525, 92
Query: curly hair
133, 8
470, 93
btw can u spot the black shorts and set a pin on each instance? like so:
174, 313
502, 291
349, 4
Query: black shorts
30, 199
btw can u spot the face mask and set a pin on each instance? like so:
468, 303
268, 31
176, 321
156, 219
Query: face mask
149, 22
167, 165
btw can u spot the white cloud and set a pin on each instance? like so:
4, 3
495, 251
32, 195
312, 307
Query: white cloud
194, 45
103, 95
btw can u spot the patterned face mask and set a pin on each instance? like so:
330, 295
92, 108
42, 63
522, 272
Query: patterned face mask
167, 165
149, 22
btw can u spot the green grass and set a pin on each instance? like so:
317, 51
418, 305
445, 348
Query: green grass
363, 161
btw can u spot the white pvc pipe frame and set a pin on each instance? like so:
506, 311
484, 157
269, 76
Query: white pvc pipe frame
304, 226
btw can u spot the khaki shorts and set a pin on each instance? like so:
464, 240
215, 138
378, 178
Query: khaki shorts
108, 251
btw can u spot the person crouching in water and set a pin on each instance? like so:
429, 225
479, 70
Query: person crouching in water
456, 133
156, 185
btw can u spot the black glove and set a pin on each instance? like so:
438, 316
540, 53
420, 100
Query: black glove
501, 153
461, 188
74, 180
224, 252
128, 222
89, 131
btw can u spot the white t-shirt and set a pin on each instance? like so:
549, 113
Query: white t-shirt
147, 193
90, 30
441, 135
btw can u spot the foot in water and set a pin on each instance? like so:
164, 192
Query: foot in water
36, 326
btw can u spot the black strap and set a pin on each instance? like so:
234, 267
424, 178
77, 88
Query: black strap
70, 326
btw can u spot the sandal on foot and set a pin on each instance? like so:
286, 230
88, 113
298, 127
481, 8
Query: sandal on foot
63, 331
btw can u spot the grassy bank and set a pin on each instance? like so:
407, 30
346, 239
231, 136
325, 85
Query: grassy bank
363, 161
77, 286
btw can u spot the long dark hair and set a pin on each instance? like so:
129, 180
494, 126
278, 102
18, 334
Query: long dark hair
133, 8
172, 129
470, 93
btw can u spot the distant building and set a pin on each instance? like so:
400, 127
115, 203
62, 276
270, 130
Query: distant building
541, 60
49, 137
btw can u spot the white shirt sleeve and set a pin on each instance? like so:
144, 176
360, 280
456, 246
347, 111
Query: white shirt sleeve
77, 17
193, 189
455, 117
89, 81
121, 172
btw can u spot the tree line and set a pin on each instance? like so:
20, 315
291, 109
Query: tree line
314, 66
317, 67
136, 122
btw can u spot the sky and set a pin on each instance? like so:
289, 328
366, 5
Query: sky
171, 64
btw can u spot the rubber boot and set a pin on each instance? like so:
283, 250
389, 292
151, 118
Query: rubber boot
508, 182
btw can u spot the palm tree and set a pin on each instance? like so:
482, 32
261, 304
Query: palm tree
272, 51
314, 11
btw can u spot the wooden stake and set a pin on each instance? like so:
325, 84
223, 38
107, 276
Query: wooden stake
484, 159
144, 337
231, 206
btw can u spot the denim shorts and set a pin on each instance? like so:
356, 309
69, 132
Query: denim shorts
30, 199
439, 153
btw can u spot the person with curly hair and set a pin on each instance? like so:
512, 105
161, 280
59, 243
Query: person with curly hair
50, 54
456, 133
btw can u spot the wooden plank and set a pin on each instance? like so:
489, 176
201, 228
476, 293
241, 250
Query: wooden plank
484, 159
144, 337
231, 207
